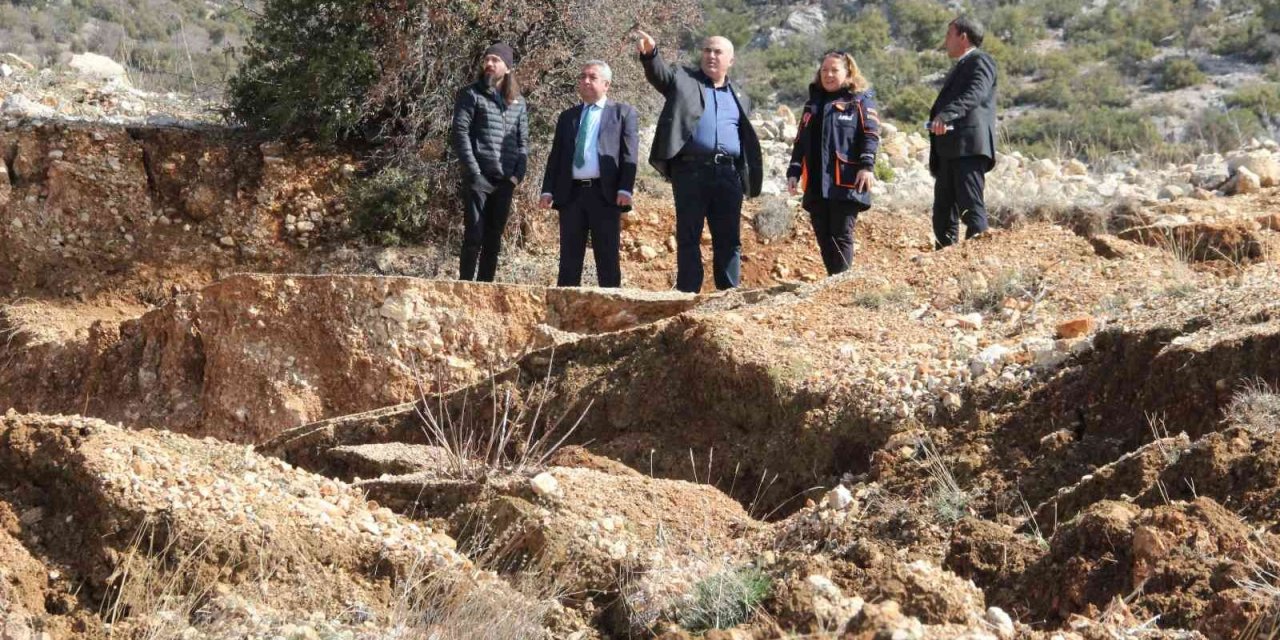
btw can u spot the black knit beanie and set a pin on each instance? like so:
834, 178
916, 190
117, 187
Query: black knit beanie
504, 51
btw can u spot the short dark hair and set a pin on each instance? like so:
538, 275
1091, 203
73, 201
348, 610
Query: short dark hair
969, 27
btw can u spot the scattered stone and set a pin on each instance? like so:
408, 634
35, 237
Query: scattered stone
972, 321
989, 358
1075, 327
545, 486
997, 618
21, 106
839, 498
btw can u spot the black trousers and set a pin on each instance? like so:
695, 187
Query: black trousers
957, 196
833, 225
710, 193
485, 218
590, 212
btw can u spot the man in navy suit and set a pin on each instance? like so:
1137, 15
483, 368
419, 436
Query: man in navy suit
590, 175
962, 140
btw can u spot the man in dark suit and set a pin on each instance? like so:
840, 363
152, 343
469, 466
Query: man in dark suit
590, 174
706, 146
962, 140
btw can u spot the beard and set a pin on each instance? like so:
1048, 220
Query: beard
493, 79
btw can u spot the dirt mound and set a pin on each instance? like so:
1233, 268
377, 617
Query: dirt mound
127, 512
1173, 561
626, 547
253, 355
146, 210
1025, 410
805, 384
1239, 467
1207, 343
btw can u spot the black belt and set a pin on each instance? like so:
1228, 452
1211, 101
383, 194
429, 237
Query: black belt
717, 158
590, 182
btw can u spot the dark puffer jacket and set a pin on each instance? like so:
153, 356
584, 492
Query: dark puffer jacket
490, 137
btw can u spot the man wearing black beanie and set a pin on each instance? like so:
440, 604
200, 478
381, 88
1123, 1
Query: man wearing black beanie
491, 140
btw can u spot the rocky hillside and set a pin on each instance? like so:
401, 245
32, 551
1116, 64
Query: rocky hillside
1169, 79
225, 416
165, 45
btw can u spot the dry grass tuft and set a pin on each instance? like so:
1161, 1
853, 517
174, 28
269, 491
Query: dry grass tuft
949, 501
519, 438
1256, 407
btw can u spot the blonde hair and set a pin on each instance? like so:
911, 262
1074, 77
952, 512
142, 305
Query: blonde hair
856, 81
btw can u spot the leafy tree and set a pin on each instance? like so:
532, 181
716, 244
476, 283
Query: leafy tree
386, 72
307, 69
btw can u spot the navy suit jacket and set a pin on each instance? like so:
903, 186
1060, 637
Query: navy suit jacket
967, 102
618, 147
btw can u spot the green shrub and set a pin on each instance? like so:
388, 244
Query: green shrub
1099, 86
1262, 99
1057, 12
726, 599
883, 170
866, 34
1011, 61
920, 23
394, 206
387, 72
1179, 73
792, 67
1242, 38
1224, 130
1017, 25
729, 18
1063, 133
910, 104
1149, 21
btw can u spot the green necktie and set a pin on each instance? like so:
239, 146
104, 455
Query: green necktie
580, 147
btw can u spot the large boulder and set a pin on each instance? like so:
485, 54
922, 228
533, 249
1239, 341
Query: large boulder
99, 67
809, 20
1244, 182
1261, 163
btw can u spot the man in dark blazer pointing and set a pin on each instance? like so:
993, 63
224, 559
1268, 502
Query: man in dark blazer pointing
962, 140
590, 176
706, 146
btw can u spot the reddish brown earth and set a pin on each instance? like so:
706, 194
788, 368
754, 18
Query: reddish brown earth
1070, 420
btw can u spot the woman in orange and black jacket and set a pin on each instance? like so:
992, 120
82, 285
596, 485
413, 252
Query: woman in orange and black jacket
834, 156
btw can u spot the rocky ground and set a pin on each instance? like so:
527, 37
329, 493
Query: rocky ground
226, 418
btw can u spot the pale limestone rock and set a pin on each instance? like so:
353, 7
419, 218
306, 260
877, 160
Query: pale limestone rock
839, 498
545, 485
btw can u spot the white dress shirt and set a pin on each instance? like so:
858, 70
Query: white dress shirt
591, 167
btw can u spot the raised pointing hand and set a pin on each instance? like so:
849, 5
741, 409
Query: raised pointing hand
645, 43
